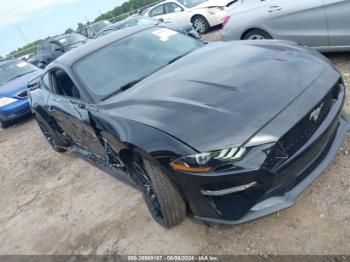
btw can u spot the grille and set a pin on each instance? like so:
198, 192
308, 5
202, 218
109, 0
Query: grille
296, 137
22, 94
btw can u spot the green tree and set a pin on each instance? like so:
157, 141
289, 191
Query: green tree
69, 31
80, 26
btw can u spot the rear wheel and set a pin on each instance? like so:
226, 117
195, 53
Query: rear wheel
161, 196
256, 34
51, 136
201, 24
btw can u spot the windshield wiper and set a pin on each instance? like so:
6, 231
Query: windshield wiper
181, 56
123, 88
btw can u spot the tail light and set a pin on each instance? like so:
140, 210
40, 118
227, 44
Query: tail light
225, 20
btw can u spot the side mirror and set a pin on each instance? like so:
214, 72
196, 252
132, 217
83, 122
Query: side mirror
33, 86
34, 83
178, 9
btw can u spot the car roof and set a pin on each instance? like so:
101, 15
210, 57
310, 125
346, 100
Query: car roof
69, 58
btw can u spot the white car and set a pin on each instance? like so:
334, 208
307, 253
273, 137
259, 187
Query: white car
203, 14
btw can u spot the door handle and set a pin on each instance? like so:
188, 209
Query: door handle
274, 8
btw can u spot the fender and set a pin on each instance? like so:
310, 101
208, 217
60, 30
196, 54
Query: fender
124, 134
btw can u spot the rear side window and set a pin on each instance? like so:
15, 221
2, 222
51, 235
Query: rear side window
159, 10
170, 7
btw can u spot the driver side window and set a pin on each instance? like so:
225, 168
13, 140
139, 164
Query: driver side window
171, 8
63, 85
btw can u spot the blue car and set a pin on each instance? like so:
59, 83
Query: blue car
14, 78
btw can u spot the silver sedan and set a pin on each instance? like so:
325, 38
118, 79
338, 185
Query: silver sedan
322, 24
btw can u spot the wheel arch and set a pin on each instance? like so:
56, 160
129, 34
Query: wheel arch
126, 136
195, 15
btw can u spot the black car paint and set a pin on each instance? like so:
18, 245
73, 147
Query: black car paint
213, 98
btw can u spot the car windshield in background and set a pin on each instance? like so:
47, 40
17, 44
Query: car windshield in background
106, 71
12, 70
147, 21
99, 26
191, 3
71, 39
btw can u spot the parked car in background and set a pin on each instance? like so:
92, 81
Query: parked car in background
197, 126
91, 30
57, 46
143, 20
202, 14
25, 57
14, 78
322, 24
35, 61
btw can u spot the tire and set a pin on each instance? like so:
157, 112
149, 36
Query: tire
256, 34
201, 24
51, 136
4, 124
163, 200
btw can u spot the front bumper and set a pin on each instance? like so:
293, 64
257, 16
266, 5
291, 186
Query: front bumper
15, 110
215, 19
276, 203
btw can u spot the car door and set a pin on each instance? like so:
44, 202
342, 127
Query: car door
176, 13
301, 21
67, 105
338, 19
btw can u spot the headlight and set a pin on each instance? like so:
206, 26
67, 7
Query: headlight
205, 162
213, 10
4, 101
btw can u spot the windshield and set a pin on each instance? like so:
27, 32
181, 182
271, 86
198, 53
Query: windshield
191, 3
99, 26
109, 69
14, 69
71, 39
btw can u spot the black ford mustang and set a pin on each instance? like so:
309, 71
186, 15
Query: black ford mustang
227, 131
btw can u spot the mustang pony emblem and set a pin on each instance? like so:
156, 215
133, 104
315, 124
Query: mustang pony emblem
316, 113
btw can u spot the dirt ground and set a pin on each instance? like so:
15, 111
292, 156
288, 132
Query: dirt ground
59, 204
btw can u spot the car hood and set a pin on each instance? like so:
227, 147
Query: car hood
13, 87
221, 94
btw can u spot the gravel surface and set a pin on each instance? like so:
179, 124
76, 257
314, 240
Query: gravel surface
59, 204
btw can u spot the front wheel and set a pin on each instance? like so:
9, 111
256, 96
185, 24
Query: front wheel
201, 24
51, 136
163, 200
256, 34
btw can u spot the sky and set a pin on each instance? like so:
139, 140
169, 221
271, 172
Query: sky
38, 19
